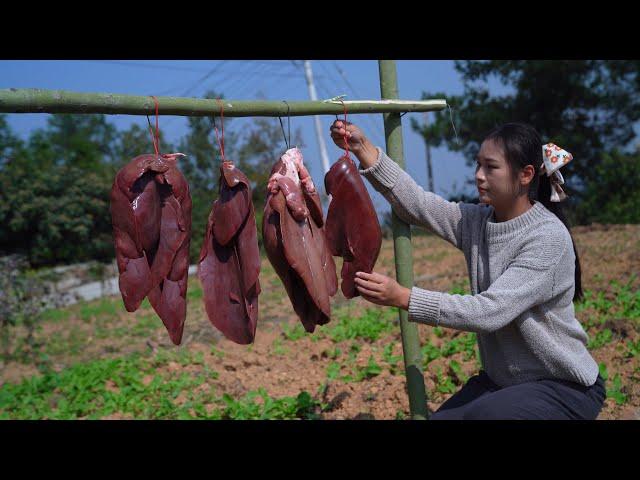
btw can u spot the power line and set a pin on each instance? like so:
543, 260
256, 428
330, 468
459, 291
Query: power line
368, 118
154, 66
375, 129
344, 77
200, 81
248, 82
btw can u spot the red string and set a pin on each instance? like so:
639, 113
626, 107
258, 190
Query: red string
346, 143
155, 138
220, 140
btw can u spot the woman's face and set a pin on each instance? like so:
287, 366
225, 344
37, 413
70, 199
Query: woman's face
493, 175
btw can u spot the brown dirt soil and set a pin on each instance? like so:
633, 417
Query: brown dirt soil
285, 367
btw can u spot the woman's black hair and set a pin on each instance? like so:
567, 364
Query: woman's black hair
522, 146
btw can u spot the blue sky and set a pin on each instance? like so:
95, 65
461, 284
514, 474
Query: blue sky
244, 79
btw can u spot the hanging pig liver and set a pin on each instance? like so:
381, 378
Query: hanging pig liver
352, 228
151, 217
293, 235
230, 259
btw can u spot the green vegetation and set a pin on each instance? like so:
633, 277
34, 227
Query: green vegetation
456, 372
464, 342
392, 360
444, 383
604, 170
429, 353
194, 290
600, 339
633, 349
218, 353
369, 326
249, 408
296, 332
614, 388
461, 287
133, 387
96, 389
105, 307
277, 348
622, 301
358, 374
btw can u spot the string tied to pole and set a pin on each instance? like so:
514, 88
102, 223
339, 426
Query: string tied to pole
287, 142
155, 138
453, 124
221, 137
346, 143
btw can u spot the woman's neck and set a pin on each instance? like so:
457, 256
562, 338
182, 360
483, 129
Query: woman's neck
515, 209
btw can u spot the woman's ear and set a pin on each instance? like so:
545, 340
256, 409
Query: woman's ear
527, 174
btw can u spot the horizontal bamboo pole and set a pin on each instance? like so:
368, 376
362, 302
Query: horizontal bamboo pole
33, 100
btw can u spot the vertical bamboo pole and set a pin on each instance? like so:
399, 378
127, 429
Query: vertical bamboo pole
403, 251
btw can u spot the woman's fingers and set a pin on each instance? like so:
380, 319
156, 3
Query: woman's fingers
368, 284
368, 293
372, 277
372, 298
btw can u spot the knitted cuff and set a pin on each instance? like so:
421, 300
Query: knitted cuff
383, 174
424, 306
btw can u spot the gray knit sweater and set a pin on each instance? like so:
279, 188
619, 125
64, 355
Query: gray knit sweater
522, 282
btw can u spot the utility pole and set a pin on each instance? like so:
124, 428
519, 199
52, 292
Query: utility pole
426, 142
312, 93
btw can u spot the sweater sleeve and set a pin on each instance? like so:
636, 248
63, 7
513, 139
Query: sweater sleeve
527, 281
416, 206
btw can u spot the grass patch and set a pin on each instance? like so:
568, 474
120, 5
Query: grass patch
194, 291
632, 349
460, 287
615, 390
622, 301
55, 315
218, 353
429, 353
145, 325
295, 332
600, 339
444, 383
392, 360
94, 390
369, 326
333, 370
456, 372
69, 344
464, 342
278, 348
258, 405
105, 307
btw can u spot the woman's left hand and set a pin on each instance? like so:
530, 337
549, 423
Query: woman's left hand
382, 290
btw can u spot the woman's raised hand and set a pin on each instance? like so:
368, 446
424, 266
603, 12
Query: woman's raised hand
358, 143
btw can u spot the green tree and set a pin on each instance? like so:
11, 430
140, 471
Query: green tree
587, 106
137, 140
614, 194
54, 191
55, 216
83, 141
10, 145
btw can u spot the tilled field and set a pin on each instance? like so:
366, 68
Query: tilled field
95, 360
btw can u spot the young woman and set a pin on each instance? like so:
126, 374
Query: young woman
524, 274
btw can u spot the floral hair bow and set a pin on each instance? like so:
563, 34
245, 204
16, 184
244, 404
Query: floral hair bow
553, 158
